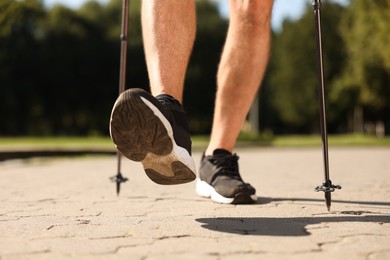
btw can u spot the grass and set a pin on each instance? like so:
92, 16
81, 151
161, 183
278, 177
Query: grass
333, 140
305, 140
36, 143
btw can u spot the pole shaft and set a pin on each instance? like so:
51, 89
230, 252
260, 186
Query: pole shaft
123, 56
124, 32
321, 87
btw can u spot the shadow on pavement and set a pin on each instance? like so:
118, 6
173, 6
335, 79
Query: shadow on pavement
262, 226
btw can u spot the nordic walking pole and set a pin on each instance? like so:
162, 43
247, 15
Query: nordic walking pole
327, 185
118, 179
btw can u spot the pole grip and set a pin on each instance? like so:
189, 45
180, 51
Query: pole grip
317, 5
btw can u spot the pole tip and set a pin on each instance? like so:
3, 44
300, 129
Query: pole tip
328, 200
118, 188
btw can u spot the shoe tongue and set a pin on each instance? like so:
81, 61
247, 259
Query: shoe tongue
221, 152
167, 99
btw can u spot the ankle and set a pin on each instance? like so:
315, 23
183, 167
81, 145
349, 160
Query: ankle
212, 151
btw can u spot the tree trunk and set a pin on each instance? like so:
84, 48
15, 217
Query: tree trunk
358, 121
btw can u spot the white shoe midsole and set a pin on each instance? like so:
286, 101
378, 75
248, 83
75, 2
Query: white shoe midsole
162, 164
204, 189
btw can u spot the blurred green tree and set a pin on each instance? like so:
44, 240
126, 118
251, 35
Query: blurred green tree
292, 73
60, 67
200, 85
21, 30
363, 89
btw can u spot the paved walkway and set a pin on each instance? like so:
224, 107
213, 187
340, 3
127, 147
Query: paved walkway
67, 208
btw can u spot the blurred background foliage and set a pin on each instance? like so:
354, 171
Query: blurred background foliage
59, 68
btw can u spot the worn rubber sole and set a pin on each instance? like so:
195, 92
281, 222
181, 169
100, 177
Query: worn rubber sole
143, 134
204, 189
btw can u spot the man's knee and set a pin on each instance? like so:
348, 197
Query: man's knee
254, 12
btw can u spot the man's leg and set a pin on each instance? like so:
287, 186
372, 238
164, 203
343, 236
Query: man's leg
241, 69
153, 129
168, 31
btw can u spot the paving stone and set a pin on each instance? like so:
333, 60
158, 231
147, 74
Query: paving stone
66, 208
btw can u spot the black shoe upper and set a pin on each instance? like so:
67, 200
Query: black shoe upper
178, 120
221, 171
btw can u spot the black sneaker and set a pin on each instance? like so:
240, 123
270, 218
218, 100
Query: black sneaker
220, 180
153, 131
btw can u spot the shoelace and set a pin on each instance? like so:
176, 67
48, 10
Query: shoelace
227, 165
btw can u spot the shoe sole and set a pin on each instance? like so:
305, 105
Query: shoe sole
204, 189
143, 134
